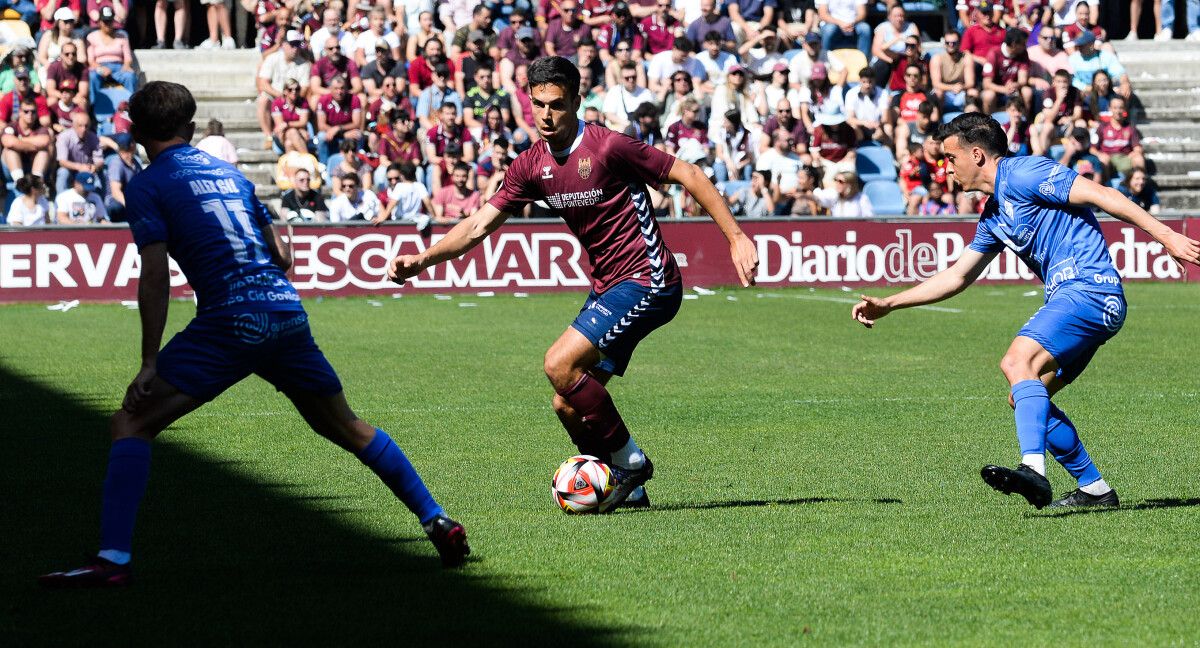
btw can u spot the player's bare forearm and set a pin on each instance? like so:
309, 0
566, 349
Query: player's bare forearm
154, 291
462, 237
1085, 192
741, 248
281, 254
943, 285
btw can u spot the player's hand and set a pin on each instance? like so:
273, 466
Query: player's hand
405, 267
745, 259
1182, 248
139, 389
869, 309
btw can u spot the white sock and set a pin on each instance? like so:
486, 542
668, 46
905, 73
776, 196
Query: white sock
1035, 461
114, 556
17, 174
629, 456
1096, 488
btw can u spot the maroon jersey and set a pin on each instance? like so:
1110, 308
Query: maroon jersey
339, 114
1118, 139
326, 69
63, 111
981, 41
287, 110
599, 188
681, 131
1004, 68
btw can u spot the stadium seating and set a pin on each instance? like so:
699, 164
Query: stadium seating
885, 197
875, 163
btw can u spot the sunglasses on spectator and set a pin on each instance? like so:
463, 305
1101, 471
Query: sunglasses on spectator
952, 43
567, 10
630, 78
349, 185
69, 21
622, 48
28, 111
393, 178
910, 75
331, 48
840, 180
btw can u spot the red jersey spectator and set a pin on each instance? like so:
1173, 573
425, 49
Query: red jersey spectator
1120, 146
67, 67
1006, 72
420, 70
980, 39
563, 35
834, 141
23, 91
46, 9
658, 29
333, 64
62, 109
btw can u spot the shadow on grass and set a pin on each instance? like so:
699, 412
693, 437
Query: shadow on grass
223, 559
1150, 504
699, 506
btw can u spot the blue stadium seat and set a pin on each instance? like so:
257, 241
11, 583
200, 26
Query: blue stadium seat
885, 197
791, 54
875, 163
1001, 117
949, 117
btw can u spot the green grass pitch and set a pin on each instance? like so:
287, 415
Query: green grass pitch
816, 483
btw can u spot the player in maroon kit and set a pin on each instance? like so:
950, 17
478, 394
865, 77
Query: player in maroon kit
596, 180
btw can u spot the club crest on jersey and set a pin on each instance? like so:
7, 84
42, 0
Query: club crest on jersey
546, 175
585, 168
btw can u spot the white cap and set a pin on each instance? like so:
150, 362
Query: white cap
294, 36
64, 13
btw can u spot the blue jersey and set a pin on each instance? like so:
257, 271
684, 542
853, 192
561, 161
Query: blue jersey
1030, 214
206, 212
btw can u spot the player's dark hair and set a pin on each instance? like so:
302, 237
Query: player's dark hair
976, 129
554, 70
161, 110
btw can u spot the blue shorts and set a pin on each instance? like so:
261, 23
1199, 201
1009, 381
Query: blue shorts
621, 317
1073, 325
215, 352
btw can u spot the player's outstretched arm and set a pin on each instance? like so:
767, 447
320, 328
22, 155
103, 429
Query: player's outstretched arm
741, 248
1087, 193
154, 291
462, 237
943, 285
281, 253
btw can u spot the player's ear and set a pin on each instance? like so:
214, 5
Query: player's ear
188, 132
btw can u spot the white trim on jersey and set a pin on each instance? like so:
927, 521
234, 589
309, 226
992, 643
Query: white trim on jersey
658, 269
574, 145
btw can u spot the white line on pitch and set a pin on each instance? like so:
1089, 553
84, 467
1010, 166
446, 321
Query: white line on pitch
848, 300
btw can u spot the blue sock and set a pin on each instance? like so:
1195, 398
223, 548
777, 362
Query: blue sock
1063, 441
1032, 407
388, 461
124, 485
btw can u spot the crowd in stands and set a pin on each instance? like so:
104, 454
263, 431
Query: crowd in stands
411, 110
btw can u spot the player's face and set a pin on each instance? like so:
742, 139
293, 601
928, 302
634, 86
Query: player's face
554, 113
962, 164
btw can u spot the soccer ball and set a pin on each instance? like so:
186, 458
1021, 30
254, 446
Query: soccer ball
582, 484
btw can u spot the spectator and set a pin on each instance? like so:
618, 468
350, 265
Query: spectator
30, 208
784, 118
1119, 146
274, 24
613, 65
887, 47
751, 17
867, 108
681, 90
658, 29
19, 59
906, 103
333, 65
78, 151
1065, 10
716, 63
420, 69
1137, 186
67, 68
63, 111
109, 57
913, 177
644, 126
912, 56
1135, 17
120, 12
397, 142
292, 162
1006, 73
832, 147
454, 13
935, 203
952, 79
760, 54
290, 119
80, 204
481, 22
366, 47
220, 33
52, 40
982, 38
120, 170
845, 199
280, 68
1083, 22
1098, 98
447, 130
1087, 59
354, 204
1077, 155
482, 98
180, 15
734, 161
1061, 110
408, 200
526, 51
820, 97
438, 94
665, 64
1190, 19
587, 58
495, 157
506, 41
23, 91
419, 35
754, 201
800, 201
27, 143
621, 31
455, 201
844, 25
348, 162
303, 203
564, 34
331, 27
712, 22
734, 95
215, 143
781, 160
621, 101
384, 66
688, 128
916, 131
1017, 127
339, 117
1047, 58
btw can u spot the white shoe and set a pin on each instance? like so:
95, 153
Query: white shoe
207, 44
1194, 36
1132, 35
1164, 35
228, 43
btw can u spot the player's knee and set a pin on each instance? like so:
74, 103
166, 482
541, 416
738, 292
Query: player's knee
123, 425
559, 370
561, 406
1015, 366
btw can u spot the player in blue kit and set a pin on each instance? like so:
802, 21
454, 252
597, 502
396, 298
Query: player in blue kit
204, 213
1041, 211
